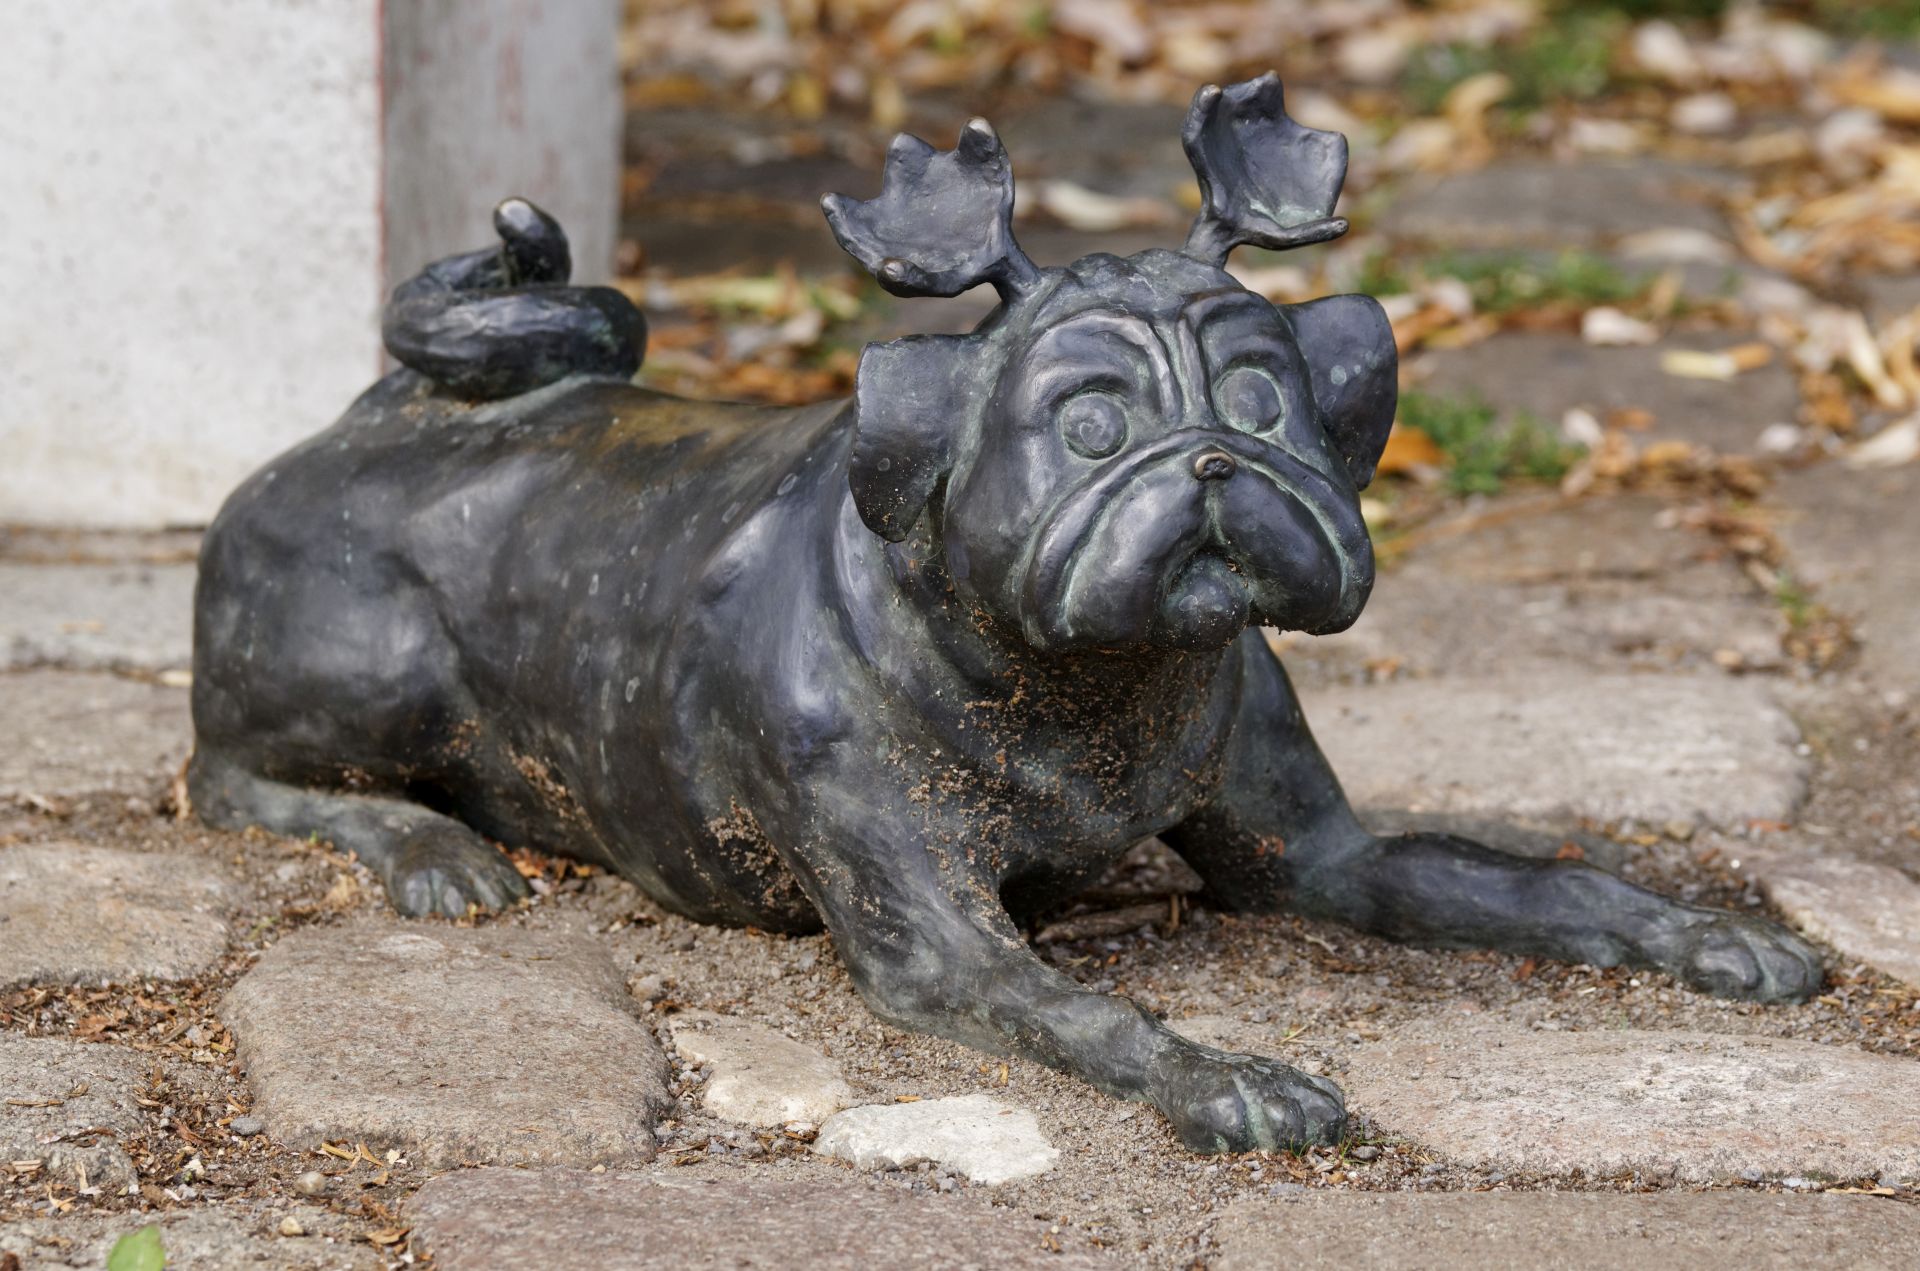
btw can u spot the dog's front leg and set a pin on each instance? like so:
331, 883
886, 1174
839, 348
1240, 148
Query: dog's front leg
1279, 834
930, 948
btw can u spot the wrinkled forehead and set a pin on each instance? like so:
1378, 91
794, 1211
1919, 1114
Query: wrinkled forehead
1160, 287
1162, 306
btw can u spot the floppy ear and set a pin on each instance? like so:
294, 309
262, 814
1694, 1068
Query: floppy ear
1355, 371
910, 405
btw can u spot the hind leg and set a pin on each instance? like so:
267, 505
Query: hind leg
429, 863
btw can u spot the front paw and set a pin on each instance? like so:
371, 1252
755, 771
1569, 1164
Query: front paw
1735, 955
446, 871
1220, 1102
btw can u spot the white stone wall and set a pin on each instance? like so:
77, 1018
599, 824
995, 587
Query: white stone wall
203, 198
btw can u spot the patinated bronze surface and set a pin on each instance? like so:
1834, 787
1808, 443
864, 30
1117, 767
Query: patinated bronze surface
909, 666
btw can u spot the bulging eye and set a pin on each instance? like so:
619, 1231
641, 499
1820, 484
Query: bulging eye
1248, 399
1094, 424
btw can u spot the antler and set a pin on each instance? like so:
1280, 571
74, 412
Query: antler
1264, 179
942, 221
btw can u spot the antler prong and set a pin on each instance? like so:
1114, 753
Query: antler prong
943, 220
1264, 179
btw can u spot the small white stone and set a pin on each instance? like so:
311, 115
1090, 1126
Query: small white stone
1605, 136
1705, 113
1760, 294
1452, 294
1847, 141
1780, 439
1580, 427
1660, 49
759, 1077
973, 1135
1607, 325
1375, 56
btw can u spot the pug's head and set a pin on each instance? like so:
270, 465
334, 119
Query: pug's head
1127, 452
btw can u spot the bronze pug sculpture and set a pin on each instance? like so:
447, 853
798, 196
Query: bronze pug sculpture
910, 666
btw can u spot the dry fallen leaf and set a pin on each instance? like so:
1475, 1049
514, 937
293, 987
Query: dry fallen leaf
1896, 444
1893, 94
1698, 364
1409, 449
1092, 212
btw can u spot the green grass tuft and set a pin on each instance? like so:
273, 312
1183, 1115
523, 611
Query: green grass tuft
1483, 454
1872, 19
1505, 281
1795, 603
1381, 275
1566, 57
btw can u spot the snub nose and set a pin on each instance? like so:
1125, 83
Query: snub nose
1214, 465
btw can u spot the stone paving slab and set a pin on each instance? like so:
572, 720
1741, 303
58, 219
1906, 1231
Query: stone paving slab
70, 1106
1707, 267
1535, 202
1851, 534
224, 1239
760, 1077
566, 1220
1603, 584
704, 161
62, 545
1548, 374
1869, 912
74, 914
1577, 1231
1560, 742
1543, 537
65, 733
1695, 1107
1415, 625
1117, 148
84, 617
491, 1045
982, 1138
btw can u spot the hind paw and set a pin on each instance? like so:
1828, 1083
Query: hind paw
446, 870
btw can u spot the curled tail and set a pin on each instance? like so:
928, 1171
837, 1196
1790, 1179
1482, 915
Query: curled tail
503, 321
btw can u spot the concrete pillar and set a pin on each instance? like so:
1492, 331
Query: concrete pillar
207, 200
